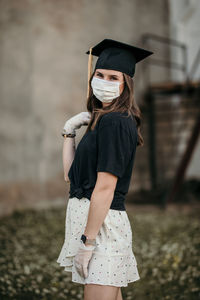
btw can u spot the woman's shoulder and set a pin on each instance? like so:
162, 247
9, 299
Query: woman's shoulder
117, 118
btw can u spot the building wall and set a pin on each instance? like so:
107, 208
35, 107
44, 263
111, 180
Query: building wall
185, 27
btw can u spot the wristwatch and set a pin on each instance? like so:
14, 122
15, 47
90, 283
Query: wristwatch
71, 135
89, 241
65, 134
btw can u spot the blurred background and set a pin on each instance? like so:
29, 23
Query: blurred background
43, 82
43, 79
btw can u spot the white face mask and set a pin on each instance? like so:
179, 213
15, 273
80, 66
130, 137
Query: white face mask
105, 90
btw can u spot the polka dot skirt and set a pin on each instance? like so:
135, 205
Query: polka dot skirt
113, 261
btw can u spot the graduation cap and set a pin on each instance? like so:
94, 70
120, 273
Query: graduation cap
115, 55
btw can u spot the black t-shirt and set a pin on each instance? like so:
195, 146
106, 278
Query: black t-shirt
110, 147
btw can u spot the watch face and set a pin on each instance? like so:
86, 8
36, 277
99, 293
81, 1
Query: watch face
83, 238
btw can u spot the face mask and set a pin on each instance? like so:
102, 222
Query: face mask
105, 90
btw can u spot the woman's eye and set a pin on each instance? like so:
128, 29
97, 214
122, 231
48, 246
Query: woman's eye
101, 75
113, 78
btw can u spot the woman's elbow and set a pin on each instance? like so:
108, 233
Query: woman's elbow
66, 178
106, 182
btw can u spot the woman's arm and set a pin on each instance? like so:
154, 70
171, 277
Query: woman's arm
100, 202
114, 152
69, 149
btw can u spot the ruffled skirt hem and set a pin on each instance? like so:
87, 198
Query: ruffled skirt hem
113, 263
106, 275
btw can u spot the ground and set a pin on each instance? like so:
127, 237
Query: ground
166, 244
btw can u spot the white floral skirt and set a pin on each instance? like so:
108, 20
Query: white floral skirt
113, 261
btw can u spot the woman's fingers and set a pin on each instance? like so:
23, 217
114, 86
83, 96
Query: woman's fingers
85, 271
79, 268
82, 269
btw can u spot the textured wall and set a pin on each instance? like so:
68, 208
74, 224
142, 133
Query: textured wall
185, 27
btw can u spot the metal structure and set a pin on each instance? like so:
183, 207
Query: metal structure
185, 110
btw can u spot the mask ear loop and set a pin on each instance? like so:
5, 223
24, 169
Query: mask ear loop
89, 69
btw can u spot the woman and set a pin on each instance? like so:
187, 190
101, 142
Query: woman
98, 235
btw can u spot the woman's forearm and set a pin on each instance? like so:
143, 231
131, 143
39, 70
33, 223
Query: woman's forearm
99, 205
69, 149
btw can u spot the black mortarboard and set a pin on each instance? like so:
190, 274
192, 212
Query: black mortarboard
115, 55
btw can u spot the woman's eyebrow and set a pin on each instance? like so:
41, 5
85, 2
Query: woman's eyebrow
113, 75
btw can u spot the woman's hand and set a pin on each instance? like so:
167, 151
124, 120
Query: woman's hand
82, 259
76, 122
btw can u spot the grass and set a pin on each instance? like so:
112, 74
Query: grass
166, 246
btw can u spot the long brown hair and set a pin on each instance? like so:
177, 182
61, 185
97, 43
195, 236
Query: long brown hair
124, 103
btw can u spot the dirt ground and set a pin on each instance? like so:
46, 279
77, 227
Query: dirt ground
170, 208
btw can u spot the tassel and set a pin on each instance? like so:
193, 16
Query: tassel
89, 69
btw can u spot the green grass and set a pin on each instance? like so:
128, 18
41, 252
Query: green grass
167, 249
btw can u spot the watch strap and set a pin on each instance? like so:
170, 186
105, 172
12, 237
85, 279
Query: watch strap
85, 238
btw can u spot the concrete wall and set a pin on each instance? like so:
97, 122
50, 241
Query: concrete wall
43, 80
185, 27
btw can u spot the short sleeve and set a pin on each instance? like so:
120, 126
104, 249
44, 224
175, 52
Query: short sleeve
114, 149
